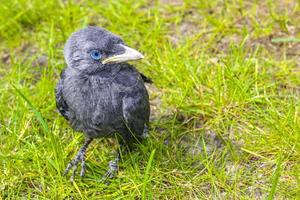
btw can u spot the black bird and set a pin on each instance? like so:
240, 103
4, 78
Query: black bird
100, 94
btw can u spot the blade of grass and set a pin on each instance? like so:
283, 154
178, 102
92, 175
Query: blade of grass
146, 176
35, 111
275, 178
285, 40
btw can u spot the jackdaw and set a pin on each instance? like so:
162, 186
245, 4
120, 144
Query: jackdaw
100, 94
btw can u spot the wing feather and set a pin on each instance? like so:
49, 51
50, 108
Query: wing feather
60, 102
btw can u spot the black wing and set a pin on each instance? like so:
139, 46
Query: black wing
60, 102
136, 111
145, 78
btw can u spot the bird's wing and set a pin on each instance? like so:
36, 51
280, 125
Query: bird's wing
136, 111
60, 102
146, 79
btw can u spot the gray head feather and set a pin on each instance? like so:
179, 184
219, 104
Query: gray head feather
81, 43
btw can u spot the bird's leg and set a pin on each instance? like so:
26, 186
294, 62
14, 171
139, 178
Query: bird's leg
113, 167
145, 132
79, 157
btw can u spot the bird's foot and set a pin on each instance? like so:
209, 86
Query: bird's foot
80, 157
112, 171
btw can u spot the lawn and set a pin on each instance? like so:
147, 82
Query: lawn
225, 118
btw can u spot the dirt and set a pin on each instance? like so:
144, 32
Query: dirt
5, 58
190, 27
155, 96
171, 2
207, 142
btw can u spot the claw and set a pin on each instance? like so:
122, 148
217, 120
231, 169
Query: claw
70, 165
113, 169
79, 157
74, 164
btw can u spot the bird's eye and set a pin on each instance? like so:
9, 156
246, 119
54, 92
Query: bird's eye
96, 55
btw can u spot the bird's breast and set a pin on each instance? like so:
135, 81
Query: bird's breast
96, 102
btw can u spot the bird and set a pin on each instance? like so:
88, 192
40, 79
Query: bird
100, 94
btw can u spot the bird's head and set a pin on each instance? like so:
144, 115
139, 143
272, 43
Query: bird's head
90, 49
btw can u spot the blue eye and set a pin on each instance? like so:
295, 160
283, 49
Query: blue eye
96, 55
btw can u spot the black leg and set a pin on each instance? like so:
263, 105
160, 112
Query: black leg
113, 168
145, 132
79, 157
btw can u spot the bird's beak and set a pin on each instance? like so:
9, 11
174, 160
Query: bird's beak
129, 55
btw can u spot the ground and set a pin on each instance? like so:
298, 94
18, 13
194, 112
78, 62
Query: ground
225, 120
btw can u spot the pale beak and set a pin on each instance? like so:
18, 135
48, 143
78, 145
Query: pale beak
129, 55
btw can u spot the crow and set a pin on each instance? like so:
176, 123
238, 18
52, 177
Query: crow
100, 94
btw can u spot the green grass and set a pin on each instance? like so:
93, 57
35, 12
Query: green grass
225, 117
